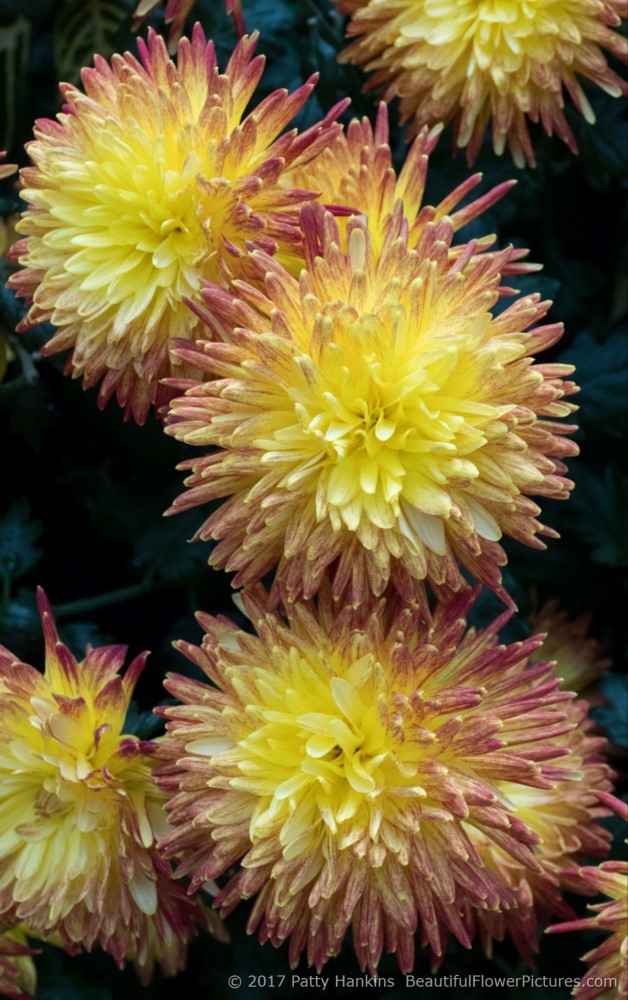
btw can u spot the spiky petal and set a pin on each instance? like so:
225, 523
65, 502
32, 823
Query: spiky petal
374, 417
565, 819
346, 758
477, 61
146, 184
608, 972
356, 172
79, 811
176, 15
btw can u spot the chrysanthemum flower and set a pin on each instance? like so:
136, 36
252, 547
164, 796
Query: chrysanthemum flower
579, 657
565, 820
608, 972
18, 978
356, 171
374, 417
176, 14
149, 182
473, 61
345, 759
79, 810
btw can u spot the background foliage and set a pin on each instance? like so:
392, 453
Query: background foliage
82, 493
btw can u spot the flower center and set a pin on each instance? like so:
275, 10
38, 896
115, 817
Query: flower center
322, 753
389, 417
499, 28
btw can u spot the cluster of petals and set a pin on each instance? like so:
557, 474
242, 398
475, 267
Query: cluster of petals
80, 812
150, 181
565, 819
608, 972
373, 418
355, 175
477, 62
353, 761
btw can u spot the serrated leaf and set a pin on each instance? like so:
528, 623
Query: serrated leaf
165, 553
601, 514
83, 28
18, 538
602, 374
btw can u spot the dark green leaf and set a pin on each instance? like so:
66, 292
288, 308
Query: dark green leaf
613, 717
85, 27
18, 541
602, 373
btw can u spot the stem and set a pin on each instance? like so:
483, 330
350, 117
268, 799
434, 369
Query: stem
73, 608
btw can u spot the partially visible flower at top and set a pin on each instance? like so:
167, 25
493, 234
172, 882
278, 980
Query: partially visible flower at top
79, 810
18, 977
176, 14
149, 182
348, 758
373, 418
579, 657
565, 819
477, 61
609, 961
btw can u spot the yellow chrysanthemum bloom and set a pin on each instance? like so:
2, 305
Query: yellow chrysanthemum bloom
348, 759
579, 657
79, 810
374, 417
608, 972
565, 819
477, 61
146, 184
18, 977
355, 175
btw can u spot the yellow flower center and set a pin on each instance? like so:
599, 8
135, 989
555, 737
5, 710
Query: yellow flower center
392, 408
140, 219
322, 758
65, 762
498, 37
